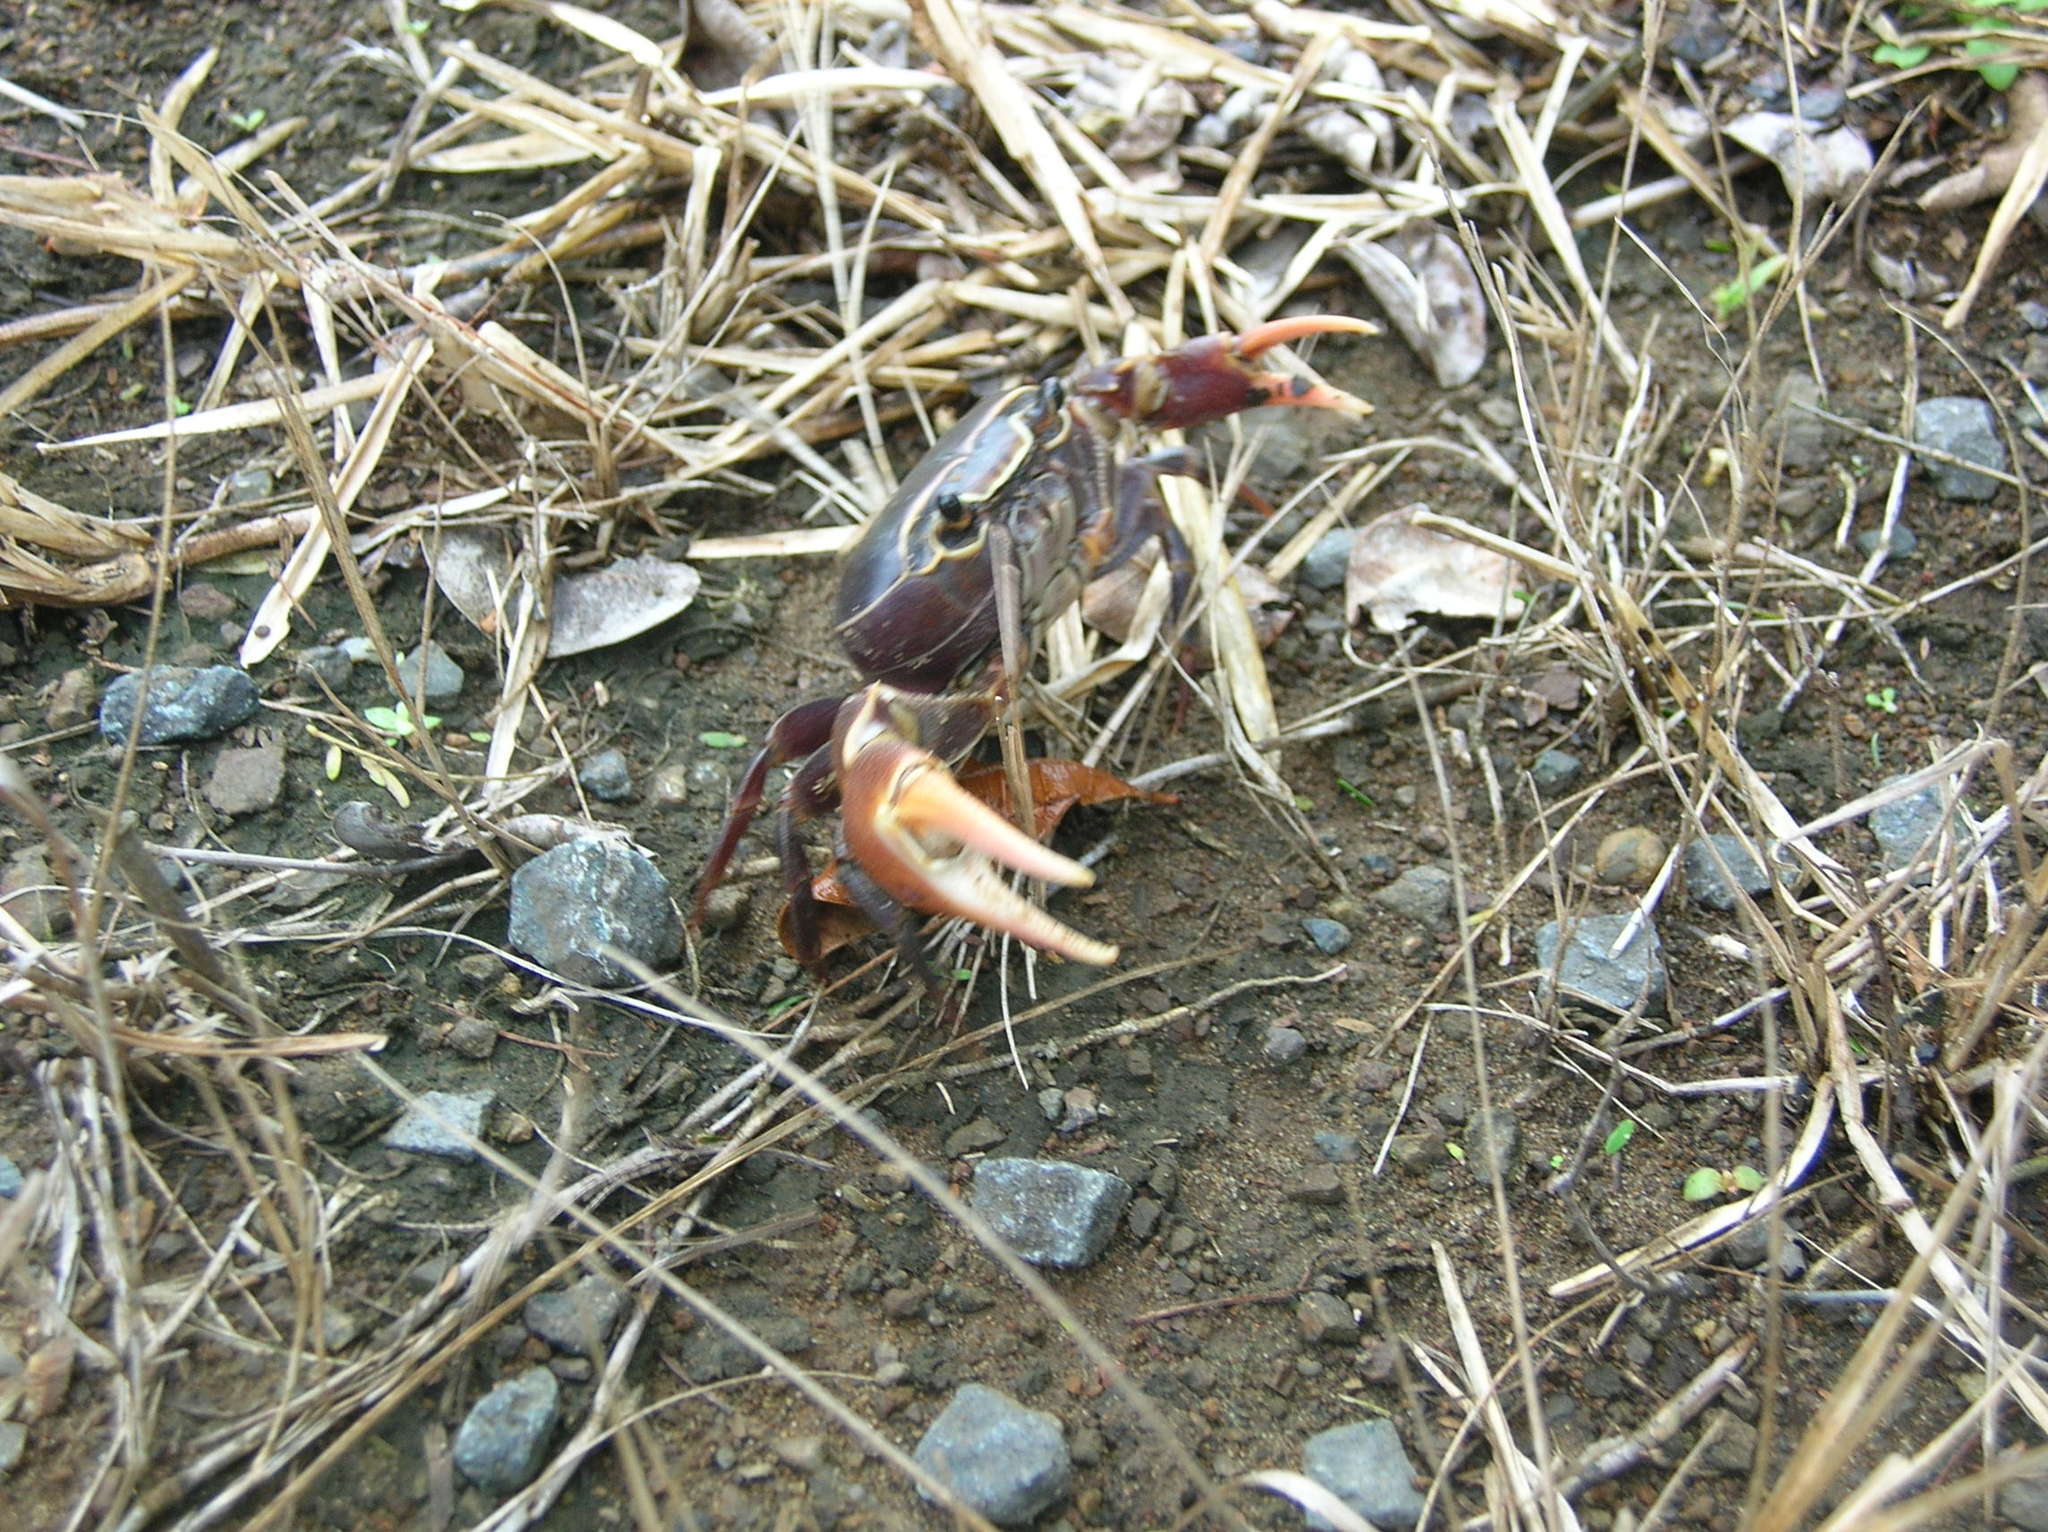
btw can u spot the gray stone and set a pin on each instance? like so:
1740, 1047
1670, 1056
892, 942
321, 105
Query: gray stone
1554, 771
206, 602
472, 1036
726, 907
1328, 559
11, 1178
325, 663
31, 895
1318, 1185
1426, 895
983, 1133
1709, 885
1734, 1448
1283, 1045
1905, 828
444, 679
1904, 541
1338, 1148
437, 1123
247, 780
571, 903
1055, 1214
505, 1434
183, 704
1584, 968
1967, 428
578, 1319
245, 486
13, 1443
70, 699
1802, 439
1330, 936
2022, 1501
607, 777
1325, 1320
1494, 1139
1002, 1460
1365, 1466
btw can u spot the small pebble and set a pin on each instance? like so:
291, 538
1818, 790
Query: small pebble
1365, 1466
204, 602
327, 664
1330, 936
1325, 1320
11, 1178
1283, 1045
444, 679
1004, 1461
1338, 1148
573, 903
442, 1124
1328, 559
1055, 1213
606, 777
669, 785
578, 1319
247, 780
1318, 1185
1629, 858
502, 1439
1963, 427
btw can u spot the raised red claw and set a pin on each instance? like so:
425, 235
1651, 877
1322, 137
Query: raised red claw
1212, 377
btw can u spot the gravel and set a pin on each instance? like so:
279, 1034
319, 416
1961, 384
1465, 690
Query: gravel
1365, 1466
1004, 1461
502, 1439
1056, 1214
571, 903
183, 704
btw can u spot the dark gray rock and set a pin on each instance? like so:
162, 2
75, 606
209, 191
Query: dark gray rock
1554, 771
1330, 936
1905, 828
444, 679
1056, 1214
325, 663
247, 780
1002, 1460
183, 704
1325, 1320
1801, 438
1967, 428
1709, 885
1328, 558
578, 1319
1426, 895
502, 1439
607, 777
439, 1123
1586, 969
1283, 1045
1338, 1148
572, 902
1318, 1185
2024, 1502
710, 1355
1698, 35
1365, 1466
1494, 1139
1904, 541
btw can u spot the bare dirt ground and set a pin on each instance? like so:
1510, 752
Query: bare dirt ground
1380, 1170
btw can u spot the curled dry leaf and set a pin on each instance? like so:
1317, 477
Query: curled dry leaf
1814, 164
1398, 569
2026, 118
1137, 115
1428, 288
1361, 136
1057, 787
475, 570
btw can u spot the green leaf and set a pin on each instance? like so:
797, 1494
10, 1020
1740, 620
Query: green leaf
333, 763
1731, 297
1352, 790
1747, 1178
250, 120
1456, 1152
1619, 1135
1703, 1185
718, 739
1901, 55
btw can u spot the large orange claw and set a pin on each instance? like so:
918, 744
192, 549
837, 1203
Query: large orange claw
1212, 376
928, 844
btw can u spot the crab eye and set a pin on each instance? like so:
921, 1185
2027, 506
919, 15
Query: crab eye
956, 520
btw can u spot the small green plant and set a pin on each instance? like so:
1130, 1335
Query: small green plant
1353, 791
396, 723
1731, 298
718, 739
250, 120
1885, 699
1707, 1183
1981, 16
1618, 1136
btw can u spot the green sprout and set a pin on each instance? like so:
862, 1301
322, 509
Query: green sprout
1619, 1135
1353, 791
1707, 1183
250, 120
1730, 298
1884, 699
718, 739
1984, 53
396, 723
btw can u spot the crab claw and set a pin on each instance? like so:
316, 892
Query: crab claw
925, 842
1211, 377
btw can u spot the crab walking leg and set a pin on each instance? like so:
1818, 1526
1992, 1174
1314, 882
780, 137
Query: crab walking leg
927, 843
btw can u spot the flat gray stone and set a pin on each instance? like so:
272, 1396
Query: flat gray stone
571, 903
444, 678
1329, 556
1365, 1466
1425, 895
247, 780
183, 704
607, 777
11, 1178
1586, 970
436, 1123
1054, 1213
1905, 828
1330, 936
1003, 1461
505, 1434
1715, 889
1554, 771
578, 1319
1967, 428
